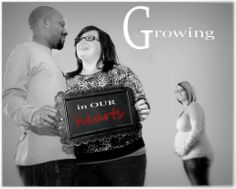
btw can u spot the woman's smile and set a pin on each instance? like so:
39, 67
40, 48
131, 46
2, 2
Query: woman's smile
83, 47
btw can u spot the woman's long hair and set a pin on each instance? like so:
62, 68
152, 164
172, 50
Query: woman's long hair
190, 91
108, 52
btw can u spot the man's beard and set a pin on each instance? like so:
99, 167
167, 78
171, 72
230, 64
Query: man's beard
61, 42
60, 45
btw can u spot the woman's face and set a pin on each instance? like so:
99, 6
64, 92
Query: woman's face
181, 93
89, 47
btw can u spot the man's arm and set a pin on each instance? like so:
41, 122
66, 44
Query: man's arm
15, 90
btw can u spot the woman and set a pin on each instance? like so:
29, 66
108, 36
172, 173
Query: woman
191, 143
118, 159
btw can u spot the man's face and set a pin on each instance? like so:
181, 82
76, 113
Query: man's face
57, 31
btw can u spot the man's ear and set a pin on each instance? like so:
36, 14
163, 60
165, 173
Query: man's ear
45, 23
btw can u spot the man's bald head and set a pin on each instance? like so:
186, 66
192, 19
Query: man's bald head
48, 27
42, 12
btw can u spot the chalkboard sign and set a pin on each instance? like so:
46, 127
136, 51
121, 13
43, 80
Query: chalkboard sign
87, 116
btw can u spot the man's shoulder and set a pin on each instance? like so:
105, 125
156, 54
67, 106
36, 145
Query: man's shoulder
22, 47
28, 49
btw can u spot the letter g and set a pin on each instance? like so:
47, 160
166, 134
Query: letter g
146, 32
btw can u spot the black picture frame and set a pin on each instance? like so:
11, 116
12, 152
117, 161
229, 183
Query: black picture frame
88, 116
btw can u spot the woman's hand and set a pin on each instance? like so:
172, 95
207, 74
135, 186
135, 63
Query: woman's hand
180, 151
142, 109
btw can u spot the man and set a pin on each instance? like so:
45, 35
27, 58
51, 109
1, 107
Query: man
31, 82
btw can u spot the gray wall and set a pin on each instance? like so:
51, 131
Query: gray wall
207, 64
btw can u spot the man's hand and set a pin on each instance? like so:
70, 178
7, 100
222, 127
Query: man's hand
44, 121
46, 131
142, 108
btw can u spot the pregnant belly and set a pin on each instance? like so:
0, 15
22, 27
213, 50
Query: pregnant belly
180, 138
